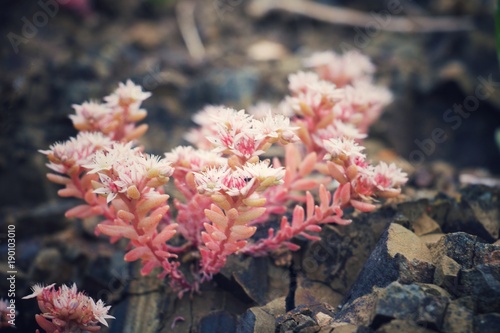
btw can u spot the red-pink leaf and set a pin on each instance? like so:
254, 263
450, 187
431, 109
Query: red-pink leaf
138, 253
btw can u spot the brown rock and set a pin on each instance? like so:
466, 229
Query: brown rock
309, 293
431, 238
425, 225
262, 319
446, 273
405, 242
458, 319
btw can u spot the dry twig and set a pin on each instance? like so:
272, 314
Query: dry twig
189, 32
350, 17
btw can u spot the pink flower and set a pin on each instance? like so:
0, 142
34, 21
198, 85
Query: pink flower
127, 94
66, 310
76, 151
90, 116
123, 169
342, 70
210, 181
388, 176
343, 149
301, 81
194, 159
337, 130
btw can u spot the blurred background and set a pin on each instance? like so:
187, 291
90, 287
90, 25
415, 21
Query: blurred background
443, 72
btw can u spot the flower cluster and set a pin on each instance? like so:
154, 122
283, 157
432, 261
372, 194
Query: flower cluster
67, 310
337, 99
238, 133
226, 187
360, 182
116, 117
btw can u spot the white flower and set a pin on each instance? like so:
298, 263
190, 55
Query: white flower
211, 180
101, 312
388, 176
194, 159
300, 81
37, 290
127, 94
108, 188
342, 70
265, 173
338, 129
156, 166
76, 151
106, 158
89, 114
276, 126
343, 148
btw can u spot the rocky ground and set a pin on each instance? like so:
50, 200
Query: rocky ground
429, 263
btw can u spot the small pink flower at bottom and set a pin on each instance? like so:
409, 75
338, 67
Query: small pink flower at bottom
67, 310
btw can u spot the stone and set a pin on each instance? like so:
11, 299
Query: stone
458, 319
483, 284
299, 320
487, 323
409, 302
220, 321
357, 312
431, 238
339, 256
467, 250
261, 319
311, 292
425, 225
446, 273
477, 213
399, 254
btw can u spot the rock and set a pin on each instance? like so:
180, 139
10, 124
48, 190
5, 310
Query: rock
399, 254
446, 273
261, 319
483, 284
467, 250
339, 256
431, 238
220, 321
311, 292
299, 320
409, 302
357, 312
487, 323
477, 213
425, 225
253, 279
458, 319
